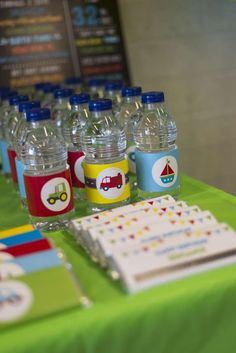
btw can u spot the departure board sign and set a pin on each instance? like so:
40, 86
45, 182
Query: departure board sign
48, 40
98, 39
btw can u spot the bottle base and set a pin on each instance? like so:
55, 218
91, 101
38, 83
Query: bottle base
48, 224
95, 207
143, 195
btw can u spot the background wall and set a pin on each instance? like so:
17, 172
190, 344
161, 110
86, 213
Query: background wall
188, 49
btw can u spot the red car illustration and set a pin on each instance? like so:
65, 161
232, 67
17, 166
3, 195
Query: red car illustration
109, 182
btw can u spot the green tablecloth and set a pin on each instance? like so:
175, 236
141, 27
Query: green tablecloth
197, 314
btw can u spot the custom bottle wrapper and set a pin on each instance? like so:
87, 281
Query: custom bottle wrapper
130, 151
7, 242
75, 160
49, 195
28, 297
24, 249
18, 266
157, 171
20, 177
107, 183
6, 168
12, 155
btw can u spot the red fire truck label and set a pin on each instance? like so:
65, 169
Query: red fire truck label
12, 156
75, 160
49, 195
107, 183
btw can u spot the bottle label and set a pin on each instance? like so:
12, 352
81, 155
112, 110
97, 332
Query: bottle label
6, 168
130, 151
75, 160
49, 195
158, 171
20, 177
12, 155
107, 183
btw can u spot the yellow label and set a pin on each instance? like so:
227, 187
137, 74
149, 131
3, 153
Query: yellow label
16, 231
107, 183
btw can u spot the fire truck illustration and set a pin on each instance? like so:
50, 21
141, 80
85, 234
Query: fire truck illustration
109, 182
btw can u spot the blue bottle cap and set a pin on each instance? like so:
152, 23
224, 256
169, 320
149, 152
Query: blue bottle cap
24, 106
94, 82
74, 80
39, 85
113, 85
63, 93
5, 95
131, 91
38, 114
15, 100
81, 98
98, 105
153, 97
50, 88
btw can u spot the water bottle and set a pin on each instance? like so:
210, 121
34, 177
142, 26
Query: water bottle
48, 99
96, 88
4, 112
10, 127
38, 90
74, 83
71, 132
113, 92
20, 134
130, 110
46, 175
157, 157
61, 107
105, 164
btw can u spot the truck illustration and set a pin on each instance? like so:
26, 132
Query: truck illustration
109, 182
59, 194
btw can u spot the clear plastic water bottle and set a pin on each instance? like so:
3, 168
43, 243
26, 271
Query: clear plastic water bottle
113, 92
96, 88
48, 99
157, 157
47, 175
130, 110
71, 130
38, 90
105, 164
4, 112
19, 136
74, 83
10, 127
61, 107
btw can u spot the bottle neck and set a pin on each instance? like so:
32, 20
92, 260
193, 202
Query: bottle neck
100, 114
113, 93
62, 101
134, 99
78, 107
153, 106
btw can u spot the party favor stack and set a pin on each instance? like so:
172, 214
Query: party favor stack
155, 241
35, 279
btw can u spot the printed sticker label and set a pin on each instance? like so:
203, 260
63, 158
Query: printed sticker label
107, 183
131, 157
75, 160
6, 168
16, 298
20, 177
12, 156
49, 195
157, 171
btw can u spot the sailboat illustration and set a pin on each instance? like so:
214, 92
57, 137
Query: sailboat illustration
167, 175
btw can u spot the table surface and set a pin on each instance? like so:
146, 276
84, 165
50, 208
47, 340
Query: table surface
196, 314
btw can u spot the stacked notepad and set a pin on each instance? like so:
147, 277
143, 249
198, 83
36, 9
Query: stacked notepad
35, 279
155, 241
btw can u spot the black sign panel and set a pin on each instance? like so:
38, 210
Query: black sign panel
48, 40
98, 39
